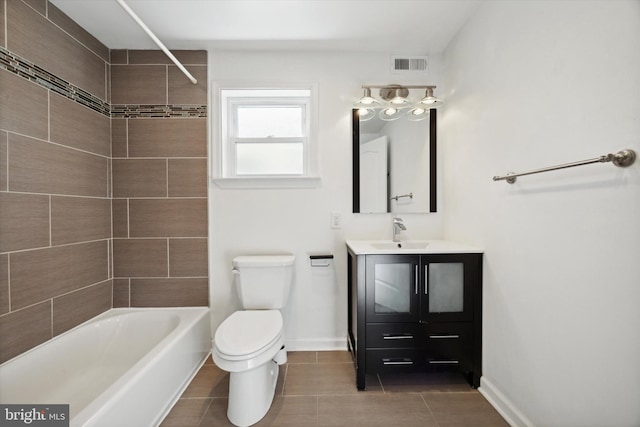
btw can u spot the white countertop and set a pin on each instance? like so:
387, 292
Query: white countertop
367, 247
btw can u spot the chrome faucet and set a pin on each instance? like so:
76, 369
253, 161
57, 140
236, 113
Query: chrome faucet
398, 226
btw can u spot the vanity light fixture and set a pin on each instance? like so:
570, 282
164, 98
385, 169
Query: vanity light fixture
394, 103
429, 100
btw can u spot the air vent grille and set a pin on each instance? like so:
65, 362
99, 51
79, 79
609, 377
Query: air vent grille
408, 63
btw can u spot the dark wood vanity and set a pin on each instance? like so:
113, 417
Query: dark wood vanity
415, 310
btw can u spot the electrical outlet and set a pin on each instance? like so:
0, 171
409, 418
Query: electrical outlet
336, 220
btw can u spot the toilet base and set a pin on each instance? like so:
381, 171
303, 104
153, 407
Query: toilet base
251, 393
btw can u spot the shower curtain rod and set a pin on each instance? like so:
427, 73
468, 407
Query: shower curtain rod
156, 40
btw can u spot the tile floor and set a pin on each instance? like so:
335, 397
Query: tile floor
318, 389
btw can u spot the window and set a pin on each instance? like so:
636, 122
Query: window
266, 136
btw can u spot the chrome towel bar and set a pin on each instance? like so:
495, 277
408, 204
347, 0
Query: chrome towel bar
622, 158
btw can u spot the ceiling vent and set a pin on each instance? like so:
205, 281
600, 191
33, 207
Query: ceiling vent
401, 64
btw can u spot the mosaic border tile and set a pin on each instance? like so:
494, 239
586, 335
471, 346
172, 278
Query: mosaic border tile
131, 111
27, 70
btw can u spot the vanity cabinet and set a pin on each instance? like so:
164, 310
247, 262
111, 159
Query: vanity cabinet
415, 313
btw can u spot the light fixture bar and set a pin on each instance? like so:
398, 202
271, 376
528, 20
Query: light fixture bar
398, 86
156, 40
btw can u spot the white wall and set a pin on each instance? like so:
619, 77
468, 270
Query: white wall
533, 84
297, 221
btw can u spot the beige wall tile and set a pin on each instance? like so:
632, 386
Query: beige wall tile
4, 283
119, 56
186, 57
169, 292
78, 219
138, 84
119, 137
187, 177
2, 25
139, 178
4, 172
168, 138
24, 329
121, 293
76, 307
39, 5
74, 125
69, 25
140, 258
23, 106
120, 215
38, 40
188, 258
40, 167
168, 217
24, 221
182, 91
45, 273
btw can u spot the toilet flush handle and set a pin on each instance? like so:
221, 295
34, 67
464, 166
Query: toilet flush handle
235, 271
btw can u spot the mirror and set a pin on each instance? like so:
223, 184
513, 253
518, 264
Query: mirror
394, 165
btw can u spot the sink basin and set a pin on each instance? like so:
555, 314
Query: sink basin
400, 245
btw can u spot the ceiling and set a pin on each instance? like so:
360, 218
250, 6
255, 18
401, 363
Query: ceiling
407, 27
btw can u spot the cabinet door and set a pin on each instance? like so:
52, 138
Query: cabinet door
448, 287
392, 284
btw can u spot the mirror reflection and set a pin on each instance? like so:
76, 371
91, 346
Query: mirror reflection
394, 165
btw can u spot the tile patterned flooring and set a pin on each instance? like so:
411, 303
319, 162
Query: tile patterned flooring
318, 389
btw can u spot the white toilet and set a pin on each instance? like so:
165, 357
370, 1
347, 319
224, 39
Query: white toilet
250, 343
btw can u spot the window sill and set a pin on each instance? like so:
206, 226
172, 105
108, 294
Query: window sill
258, 183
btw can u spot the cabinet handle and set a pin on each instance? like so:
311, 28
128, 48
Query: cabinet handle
426, 279
416, 280
443, 362
443, 336
397, 337
397, 362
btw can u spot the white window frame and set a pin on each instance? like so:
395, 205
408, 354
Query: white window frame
228, 97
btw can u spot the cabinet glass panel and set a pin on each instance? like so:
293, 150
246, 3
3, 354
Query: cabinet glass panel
446, 287
394, 286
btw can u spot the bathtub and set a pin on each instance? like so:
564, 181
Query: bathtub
125, 367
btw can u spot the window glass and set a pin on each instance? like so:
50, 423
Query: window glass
269, 121
265, 158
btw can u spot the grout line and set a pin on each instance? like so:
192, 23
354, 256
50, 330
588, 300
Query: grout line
106, 239
429, 409
168, 260
9, 281
126, 136
50, 221
6, 25
48, 141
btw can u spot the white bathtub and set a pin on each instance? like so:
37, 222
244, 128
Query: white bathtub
126, 367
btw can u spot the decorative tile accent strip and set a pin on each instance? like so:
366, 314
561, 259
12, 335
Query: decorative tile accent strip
23, 68
132, 111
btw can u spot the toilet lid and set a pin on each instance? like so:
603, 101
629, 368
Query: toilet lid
248, 331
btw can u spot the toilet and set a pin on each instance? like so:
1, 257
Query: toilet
249, 344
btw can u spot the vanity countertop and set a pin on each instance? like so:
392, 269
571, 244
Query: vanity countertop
371, 247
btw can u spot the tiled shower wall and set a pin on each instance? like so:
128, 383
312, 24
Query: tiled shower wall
59, 195
159, 179
55, 206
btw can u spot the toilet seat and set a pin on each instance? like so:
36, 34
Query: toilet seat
246, 337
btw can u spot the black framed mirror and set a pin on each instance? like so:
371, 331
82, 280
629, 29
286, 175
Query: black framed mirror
394, 165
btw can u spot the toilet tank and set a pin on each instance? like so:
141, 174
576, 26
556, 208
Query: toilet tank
263, 281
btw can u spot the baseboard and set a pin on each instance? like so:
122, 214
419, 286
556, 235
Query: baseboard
316, 344
504, 406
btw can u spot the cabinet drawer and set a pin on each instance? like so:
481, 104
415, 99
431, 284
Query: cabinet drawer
448, 344
392, 360
393, 335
